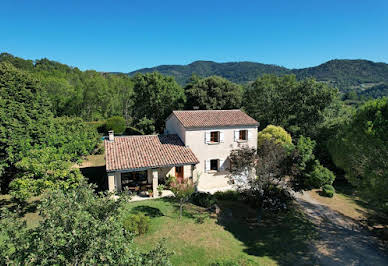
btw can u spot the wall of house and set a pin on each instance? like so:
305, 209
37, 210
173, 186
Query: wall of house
196, 141
173, 126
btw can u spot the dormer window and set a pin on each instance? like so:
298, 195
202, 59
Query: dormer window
214, 136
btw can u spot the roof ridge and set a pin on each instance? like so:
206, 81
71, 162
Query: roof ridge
222, 110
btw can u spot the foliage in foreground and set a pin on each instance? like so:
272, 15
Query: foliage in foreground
79, 227
361, 150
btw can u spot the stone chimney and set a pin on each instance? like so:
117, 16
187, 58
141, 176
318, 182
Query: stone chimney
111, 135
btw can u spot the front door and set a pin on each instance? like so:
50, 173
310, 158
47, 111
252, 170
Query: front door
179, 173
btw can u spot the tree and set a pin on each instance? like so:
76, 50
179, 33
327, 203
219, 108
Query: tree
25, 118
361, 150
182, 191
213, 93
265, 176
156, 96
275, 134
116, 123
78, 227
311, 172
297, 106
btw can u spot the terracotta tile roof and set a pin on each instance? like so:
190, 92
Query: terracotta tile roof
214, 118
134, 152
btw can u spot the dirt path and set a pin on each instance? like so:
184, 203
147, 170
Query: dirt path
342, 241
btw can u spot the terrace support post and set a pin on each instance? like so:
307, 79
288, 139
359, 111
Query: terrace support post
155, 178
118, 181
111, 181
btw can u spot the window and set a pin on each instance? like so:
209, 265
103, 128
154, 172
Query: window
215, 136
214, 165
243, 135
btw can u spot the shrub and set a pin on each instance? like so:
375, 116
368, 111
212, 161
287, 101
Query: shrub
203, 199
319, 176
137, 224
116, 123
328, 191
275, 134
227, 195
170, 179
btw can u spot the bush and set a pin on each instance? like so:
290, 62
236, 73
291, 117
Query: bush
116, 123
319, 176
203, 199
227, 195
275, 134
137, 224
328, 191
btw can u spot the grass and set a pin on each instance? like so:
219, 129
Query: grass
29, 211
201, 238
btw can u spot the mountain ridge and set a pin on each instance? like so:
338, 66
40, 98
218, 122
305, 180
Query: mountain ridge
346, 74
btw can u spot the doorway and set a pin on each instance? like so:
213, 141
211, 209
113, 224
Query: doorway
179, 173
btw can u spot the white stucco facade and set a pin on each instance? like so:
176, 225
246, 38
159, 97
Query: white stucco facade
197, 139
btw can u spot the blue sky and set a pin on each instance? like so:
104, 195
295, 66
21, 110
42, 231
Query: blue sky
127, 35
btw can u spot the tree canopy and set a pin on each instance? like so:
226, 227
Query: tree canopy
361, 149
213, 93
297, 106
156, 96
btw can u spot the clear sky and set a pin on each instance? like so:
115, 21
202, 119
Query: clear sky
126, 35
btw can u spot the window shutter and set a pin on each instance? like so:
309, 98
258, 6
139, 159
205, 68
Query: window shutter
250, 134
207, 165
207, 136
222, 166
221, 136
236, 135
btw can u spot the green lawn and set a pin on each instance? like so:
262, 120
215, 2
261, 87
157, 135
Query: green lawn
28, 211
232, 237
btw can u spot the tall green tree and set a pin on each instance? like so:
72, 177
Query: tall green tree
361, 150
155, 97
25, 117
213, 93
297, 106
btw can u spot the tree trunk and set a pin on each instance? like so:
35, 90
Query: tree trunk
180, 210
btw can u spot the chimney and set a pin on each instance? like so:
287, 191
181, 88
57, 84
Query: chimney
111, 135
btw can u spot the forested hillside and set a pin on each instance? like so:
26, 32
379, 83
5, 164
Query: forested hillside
347, 75
239, 72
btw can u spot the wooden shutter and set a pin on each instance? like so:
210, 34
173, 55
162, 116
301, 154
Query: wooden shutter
207, 137
207, 165
236, 135
222, 166
221, 136
250, 134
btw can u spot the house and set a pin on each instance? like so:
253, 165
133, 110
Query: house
195, 144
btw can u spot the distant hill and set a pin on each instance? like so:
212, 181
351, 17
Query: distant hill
345, 74
239, 72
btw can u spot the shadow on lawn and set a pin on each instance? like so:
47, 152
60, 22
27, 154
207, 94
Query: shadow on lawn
283, 237
189, 211
147, 210
96, 175
22, 208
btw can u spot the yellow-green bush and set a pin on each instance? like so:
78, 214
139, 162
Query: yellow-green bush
275, 134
